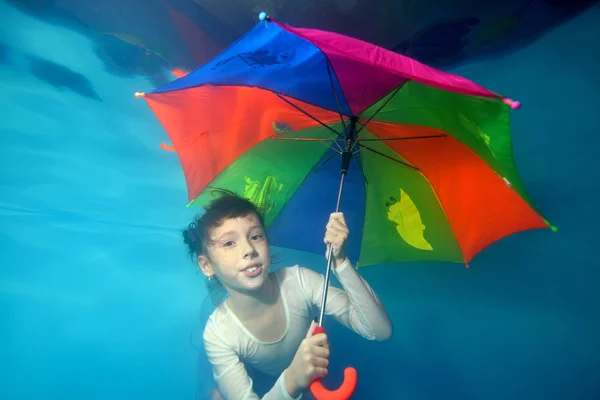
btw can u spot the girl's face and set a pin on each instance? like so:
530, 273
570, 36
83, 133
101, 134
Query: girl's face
239, 254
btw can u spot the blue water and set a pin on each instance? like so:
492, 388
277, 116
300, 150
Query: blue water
98, 299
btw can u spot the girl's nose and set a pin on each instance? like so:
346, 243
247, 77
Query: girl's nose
250, 251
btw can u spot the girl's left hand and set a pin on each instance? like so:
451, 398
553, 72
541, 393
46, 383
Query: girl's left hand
336, 235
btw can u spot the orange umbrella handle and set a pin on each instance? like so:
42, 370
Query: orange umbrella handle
344, 392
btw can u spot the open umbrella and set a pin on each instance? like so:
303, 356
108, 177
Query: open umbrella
424, 157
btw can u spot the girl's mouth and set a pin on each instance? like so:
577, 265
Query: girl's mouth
253, 271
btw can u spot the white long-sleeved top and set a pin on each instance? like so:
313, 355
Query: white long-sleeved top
227, 341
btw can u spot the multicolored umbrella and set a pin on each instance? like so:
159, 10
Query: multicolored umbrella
425, 162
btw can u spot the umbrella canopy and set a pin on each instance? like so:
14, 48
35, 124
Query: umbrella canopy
432, 177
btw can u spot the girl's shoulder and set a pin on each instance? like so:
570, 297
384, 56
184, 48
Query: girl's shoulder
299, 280
289, 273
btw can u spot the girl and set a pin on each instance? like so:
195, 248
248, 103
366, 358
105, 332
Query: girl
268, 317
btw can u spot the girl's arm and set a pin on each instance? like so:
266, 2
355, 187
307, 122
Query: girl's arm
356, 306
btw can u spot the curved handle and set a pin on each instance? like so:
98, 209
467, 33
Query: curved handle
344, 392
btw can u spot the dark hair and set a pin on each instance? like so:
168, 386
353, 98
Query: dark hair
226, 205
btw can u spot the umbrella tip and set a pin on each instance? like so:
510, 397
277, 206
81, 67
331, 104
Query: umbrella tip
515, 105
139, 94
552, 227
263, 16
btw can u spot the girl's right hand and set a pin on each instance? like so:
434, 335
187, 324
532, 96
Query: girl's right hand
310, 362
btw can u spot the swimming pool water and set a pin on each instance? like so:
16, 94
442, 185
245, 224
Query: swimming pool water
98, 299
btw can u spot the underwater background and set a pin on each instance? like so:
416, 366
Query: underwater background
98, 298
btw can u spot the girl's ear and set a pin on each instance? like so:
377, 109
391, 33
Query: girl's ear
205, 266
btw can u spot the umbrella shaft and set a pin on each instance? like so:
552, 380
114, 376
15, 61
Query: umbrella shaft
346, 158
330, 256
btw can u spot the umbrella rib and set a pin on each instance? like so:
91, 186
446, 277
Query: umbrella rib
337, 101
316, 167
388, 157
385, 103
357, 142
307, 114
303, 139
360, 140
274, 137
403, 138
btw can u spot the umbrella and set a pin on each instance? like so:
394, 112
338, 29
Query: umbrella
422, 158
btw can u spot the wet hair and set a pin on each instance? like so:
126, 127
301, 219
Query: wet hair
226, 205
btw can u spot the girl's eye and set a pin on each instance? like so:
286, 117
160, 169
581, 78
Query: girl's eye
257, 237
229, 243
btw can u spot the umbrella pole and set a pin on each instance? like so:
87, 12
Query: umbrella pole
346, 157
